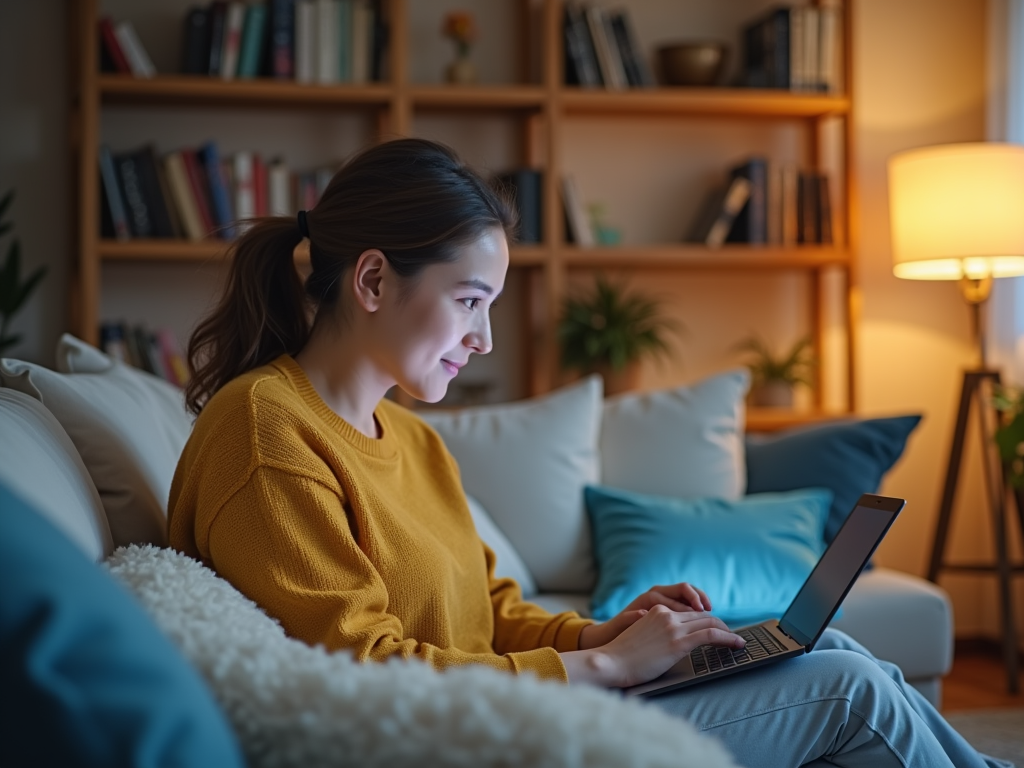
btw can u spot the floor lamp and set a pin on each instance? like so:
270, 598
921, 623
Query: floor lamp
957, 213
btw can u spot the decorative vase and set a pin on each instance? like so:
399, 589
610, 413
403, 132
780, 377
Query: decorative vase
772, 394
462, 71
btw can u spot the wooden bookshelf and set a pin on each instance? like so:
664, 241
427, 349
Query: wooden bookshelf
542, 110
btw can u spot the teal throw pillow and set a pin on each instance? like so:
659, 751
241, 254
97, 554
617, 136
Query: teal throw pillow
750, 555
847, 457
88, 678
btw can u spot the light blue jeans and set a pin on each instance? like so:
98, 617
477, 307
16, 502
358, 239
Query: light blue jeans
836, 706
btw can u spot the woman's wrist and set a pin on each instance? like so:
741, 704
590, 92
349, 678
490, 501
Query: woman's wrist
592, 667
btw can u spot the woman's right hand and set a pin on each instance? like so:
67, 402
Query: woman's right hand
646, 649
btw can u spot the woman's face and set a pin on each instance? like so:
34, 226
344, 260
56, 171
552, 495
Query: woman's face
444, 318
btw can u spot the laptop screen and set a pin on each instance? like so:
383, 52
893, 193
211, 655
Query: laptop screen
826, 587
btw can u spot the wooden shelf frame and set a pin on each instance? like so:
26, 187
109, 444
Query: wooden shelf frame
545, 110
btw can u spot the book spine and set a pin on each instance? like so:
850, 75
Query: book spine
774, 204
735, 199
259, 185
610, 74
579, 226
156, 202
139, 218
245, 189
782, 44
233, 24
112, 190
525, 186
345, 41
209, 158
139, 61
279, 189
637, 70
362, 27
177, 227
181, 193
305, 41
797, 48
195, 49
218, 24
790, 205
592, 67
253, 39
282, 39
112, 342
812, 42
828, 51
197, 183
806, 210
113, 48
824, 199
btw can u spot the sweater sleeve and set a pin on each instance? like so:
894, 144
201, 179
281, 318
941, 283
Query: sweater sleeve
520, 625
286, 543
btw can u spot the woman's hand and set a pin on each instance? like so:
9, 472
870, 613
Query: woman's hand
645, 649
682, 598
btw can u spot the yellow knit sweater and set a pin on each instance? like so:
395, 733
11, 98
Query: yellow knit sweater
349, 541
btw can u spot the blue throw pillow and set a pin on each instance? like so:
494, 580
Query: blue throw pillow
88, 679
750, 555
848, 457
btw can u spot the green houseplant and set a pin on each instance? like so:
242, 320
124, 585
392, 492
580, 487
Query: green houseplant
1010, 434
608, 330
13, 292
775, 376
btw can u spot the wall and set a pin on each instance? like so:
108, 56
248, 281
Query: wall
920, 79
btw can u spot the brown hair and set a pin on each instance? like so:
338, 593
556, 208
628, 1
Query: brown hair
412, 199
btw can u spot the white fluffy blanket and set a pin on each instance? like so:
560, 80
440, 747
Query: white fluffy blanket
293, 705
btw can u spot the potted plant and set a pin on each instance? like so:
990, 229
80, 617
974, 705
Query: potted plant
774, 377
13, 292
608, 331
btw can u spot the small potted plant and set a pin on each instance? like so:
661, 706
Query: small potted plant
774, 378
13, 292
460, 28
608, 331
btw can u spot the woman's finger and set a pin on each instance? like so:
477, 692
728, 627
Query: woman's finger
686, 593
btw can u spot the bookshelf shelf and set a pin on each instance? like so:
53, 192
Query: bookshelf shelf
729, 102
185, 90
730, 257
475, 98
775, 419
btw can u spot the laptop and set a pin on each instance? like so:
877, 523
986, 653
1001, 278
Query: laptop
807, 616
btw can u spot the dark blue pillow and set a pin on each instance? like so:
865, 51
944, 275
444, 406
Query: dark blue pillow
847, 457
88, 679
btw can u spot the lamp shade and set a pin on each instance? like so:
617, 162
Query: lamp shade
957, 210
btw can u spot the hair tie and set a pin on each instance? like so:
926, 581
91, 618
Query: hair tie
303, 224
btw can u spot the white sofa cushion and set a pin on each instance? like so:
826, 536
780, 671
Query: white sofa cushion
685, 442
294, 705
39, 464
508, 564
128, 426
527, 463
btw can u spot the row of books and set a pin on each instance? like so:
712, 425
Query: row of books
156, 352
798, 48
526, 186
767, 203
601, 49
194, 193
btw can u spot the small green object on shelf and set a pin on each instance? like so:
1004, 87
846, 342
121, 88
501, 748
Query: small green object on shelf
1010, 434
13, 292
773, 377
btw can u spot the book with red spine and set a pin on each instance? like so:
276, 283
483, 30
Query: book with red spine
197, 183
259, 185
113, 48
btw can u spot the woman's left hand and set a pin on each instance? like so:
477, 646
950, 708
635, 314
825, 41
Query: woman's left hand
680, 597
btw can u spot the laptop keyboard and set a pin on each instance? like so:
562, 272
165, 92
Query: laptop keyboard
711, 658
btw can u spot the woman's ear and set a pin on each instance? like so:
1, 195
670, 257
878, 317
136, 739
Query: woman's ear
368, 279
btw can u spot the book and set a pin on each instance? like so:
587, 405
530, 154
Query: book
254, 38
195, 48
139, 61
177, 228
305, 41
362, 28
830, 49
112, 342
526, 188
580, 66
130, 177
824, 209
181, 194
345, 41
112, 195
244, 186
153, 191
579, 229
327, 47
638, 73
279, 189
218, 25
234, 20
715, 220
774, 204
751, 223
379, 44
198, 186
220, 199
607, 57
281, 47
112, 48
808, 216
769, 57
259, 185
790, 205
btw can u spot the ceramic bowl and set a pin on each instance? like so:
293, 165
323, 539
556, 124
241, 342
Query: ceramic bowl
692, 63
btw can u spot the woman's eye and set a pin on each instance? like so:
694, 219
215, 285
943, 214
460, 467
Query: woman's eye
471, 303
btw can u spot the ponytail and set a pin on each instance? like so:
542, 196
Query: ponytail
262, 314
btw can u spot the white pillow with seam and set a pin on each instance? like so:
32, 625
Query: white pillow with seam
685, 442
508, 564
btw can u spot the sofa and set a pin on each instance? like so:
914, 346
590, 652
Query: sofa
91, 448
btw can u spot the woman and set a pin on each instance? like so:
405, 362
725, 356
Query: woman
343, 516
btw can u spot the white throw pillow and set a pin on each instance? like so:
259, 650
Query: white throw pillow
527, 463
128, 426
508, 564
39, 464
685, 442
296, 706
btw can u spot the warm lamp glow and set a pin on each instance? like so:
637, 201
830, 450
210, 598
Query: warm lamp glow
958, 211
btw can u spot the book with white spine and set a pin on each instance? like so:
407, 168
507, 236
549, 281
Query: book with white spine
233, 21
138, 59
279, 189
305, 41
328, 54
244, 184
